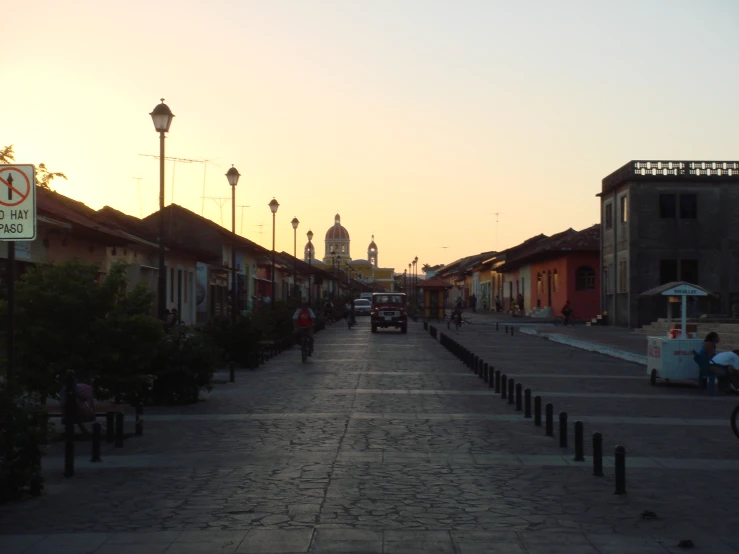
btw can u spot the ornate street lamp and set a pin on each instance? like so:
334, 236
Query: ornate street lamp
273, 205
162, 116
309, 234
295, 224
233, 179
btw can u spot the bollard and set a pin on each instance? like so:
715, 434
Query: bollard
119, 430
231, 372
485, 374
496, 327
537, 411
511, 395
139, 418
579, 457
519, 399
497, 382
503, 387
491, 377
527, 403
597, 454
475, 364
109, 426
96, 432
511, 330
563, 429
620, 470
550, 420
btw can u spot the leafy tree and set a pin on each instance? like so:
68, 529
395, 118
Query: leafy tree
44, 177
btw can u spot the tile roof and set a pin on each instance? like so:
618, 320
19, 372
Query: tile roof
566, 241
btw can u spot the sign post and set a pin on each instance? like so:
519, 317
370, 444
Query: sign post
17, 223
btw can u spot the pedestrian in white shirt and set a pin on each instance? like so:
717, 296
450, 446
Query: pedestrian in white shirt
730, 362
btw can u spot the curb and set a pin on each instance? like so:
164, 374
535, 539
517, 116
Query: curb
590, 346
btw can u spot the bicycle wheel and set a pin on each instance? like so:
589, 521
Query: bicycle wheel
734, 422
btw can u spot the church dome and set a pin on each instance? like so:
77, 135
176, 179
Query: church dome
337, 232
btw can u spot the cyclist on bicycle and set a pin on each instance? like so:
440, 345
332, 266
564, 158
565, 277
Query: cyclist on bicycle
567, 312
303, 320
457, 314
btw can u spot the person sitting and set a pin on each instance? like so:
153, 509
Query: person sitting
303, 320
728, 363
709, 345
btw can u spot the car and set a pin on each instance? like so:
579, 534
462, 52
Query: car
388, 310
362, 306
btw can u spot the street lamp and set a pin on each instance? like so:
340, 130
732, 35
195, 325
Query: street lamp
233, 179
162, 116
415, 279
309, 234
405, 280
295, 223
273, 205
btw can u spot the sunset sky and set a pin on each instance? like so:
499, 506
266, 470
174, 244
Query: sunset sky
415, 120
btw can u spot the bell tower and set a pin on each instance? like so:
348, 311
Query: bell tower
372, 253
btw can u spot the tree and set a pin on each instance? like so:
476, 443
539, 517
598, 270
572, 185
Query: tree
43, 176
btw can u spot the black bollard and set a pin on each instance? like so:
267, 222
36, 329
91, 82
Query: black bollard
537, 411
496, 327
475, 361
511, 330
550, 420
485, 372
96, 432
597, 454
139, 418
70, 416
231, 372
491, 377
497, 381
563, 429
519, 399
620, 470
527, 403
503, 387
579, 455
511, 394
109, 426
119, 429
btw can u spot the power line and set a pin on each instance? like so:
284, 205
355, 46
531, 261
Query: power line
174, 166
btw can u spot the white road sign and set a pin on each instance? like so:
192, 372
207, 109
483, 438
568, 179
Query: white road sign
17, 202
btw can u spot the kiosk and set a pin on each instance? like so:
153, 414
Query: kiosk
671, 357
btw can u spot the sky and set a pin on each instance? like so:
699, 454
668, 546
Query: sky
417, 121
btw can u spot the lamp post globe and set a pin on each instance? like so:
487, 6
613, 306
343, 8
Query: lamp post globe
273, 205
232, 175
162, 117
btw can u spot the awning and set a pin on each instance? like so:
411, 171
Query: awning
681, 288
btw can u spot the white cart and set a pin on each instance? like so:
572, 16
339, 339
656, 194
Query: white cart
672, 358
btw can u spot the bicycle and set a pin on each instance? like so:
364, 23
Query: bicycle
734, 421
456, 319
574, 320
306, 346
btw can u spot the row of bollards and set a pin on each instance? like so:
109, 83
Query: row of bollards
516, 395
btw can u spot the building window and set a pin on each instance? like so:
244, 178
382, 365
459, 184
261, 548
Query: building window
689, 271
585, 278
555, 281
624, 209
667, 271
688, 206
667, 204
609, 216
343, 249
623, 277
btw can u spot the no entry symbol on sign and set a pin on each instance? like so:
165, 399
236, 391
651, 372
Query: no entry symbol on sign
16, 184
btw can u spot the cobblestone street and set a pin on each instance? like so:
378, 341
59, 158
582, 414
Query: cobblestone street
387, 443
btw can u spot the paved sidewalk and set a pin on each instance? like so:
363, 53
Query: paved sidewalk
386, 443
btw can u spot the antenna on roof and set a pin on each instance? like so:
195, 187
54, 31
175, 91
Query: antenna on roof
496, 214
241, 229
220, 201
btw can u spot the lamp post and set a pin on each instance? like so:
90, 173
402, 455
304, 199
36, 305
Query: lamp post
415, 279
162, 116
273, 205
295, 224
309, 234
405, 281
410, 281
233, 179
